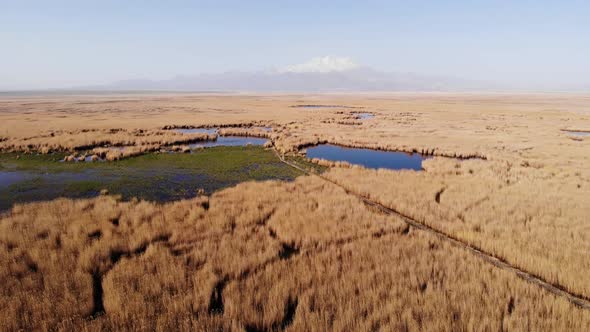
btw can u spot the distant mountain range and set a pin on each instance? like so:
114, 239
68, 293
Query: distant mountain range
322, 74
353, 79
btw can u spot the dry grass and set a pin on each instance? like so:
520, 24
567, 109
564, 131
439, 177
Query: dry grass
306, 249
535, 222
263, 256
515, 128
85, 139
252, 132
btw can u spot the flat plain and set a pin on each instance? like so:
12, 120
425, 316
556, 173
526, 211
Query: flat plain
507, 174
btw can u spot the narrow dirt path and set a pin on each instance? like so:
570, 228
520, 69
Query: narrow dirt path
556, 289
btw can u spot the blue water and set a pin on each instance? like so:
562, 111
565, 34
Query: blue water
578, 133
11, 177
367, 157
365, 116
209, 131
154, 177
321, 106
230, 141
267, 129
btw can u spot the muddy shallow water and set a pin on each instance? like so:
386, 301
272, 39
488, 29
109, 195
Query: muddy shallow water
209, 131
224, 140
367, 157
578, 133
156, 177
8, 178
365, 116
267, 129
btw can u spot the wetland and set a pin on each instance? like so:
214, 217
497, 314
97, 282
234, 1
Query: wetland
368, 158
156, 177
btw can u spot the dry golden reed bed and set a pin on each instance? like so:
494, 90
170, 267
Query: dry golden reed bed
306, 256
522, 127
259, 256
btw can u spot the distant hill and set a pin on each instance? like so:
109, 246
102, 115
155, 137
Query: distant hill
355, 79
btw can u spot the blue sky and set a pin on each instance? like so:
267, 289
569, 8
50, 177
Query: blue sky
52, 44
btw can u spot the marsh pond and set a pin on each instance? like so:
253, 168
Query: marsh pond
368, 158
155, 176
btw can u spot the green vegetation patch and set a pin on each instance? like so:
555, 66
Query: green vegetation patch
155, 176
305, 164
38, 162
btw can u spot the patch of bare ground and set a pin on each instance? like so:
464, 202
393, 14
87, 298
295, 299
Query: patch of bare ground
256, 257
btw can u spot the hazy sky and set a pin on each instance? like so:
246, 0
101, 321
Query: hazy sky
50, 44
